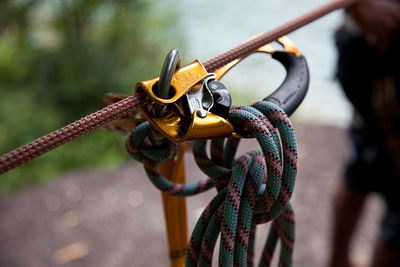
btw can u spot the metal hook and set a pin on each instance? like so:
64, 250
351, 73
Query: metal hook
171, 63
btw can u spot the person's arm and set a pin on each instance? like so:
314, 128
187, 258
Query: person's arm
378, 19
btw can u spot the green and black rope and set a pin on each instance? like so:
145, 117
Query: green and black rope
253, 189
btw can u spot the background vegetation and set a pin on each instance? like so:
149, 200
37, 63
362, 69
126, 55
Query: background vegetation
58, 58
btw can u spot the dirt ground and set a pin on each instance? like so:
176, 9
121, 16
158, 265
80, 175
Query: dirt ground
114, 218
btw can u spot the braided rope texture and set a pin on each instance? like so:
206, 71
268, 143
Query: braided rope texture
140, 147
252, 44
253, 189
68, 133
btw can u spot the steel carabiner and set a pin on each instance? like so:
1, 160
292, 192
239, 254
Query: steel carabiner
294, 88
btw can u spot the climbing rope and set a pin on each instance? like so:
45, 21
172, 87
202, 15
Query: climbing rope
50, 141
259, 40
140, 147
253, 189
128, 105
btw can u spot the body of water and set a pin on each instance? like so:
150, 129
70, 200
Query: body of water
212, 27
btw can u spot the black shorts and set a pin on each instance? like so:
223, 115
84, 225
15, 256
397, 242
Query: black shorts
370, 166
369, 170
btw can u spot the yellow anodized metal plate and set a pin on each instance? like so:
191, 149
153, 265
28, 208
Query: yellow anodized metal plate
182, 81
172, 124
175, 130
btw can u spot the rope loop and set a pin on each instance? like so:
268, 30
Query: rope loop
140, 147
213, 168
253, 189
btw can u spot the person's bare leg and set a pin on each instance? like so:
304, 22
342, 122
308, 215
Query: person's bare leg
347, 207
385, 256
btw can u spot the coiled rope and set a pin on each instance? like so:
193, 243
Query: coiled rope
120, 109
254, 189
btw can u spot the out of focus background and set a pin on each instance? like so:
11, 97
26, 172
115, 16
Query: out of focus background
59, 57
57, 60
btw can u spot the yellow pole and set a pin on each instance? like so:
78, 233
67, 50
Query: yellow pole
175, 211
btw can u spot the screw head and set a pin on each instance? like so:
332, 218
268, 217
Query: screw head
214, 86
201, 113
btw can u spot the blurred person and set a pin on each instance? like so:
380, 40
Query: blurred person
369, 72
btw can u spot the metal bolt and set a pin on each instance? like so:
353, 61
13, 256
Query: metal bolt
214, 86
201, 113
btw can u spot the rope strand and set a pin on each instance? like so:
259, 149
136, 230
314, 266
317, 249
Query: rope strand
50, 141
252, 44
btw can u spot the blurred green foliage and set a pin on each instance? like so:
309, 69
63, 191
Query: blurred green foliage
58, 58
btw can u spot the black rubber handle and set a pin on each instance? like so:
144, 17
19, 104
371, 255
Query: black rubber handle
294, 88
